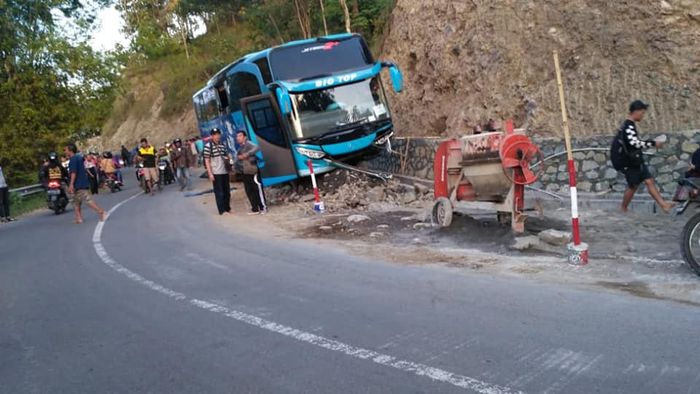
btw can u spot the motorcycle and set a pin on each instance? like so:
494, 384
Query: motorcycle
165, 172
688, 194
141, 179
56, 197
113, 183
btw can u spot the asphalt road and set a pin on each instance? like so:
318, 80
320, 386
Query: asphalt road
161, 299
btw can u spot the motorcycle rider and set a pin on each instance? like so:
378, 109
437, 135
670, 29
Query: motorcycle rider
107, 165
164, 156
54, 171
147, 155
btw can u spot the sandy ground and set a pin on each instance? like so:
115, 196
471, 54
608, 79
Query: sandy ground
637, 253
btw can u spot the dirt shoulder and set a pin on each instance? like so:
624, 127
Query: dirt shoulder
635, 253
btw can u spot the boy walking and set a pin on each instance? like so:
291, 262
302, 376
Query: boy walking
635, 169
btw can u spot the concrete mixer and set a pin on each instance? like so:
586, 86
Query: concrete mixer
486, 171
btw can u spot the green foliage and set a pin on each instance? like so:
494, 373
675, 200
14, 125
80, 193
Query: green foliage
22, 205
52, 87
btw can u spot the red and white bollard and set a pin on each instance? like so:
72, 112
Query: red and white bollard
578, 251
318, 204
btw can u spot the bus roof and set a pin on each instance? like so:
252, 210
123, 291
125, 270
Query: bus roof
251, 57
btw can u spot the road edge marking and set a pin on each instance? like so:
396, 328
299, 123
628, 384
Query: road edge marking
435, 374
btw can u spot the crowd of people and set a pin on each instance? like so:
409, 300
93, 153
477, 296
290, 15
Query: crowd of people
82, 175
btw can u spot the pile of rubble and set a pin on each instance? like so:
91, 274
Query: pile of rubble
341, 190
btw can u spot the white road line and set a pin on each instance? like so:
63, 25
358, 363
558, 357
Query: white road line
436, 374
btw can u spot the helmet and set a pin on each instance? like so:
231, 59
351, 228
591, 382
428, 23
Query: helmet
177, 140
53, 156
215, 130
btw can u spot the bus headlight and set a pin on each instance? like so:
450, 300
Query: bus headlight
382, 140
310, 153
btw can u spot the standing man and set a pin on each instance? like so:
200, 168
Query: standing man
93, 172
4, 198
635, 169
199, 145
147, 155
125, 156
193, 150
215, 157
78, 185
182, 160
251, 178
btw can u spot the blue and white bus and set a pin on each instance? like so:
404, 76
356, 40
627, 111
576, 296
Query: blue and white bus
320, 99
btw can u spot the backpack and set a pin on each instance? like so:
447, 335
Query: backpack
618, 151
620, 156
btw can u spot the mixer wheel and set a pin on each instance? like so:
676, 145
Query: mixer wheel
442, 212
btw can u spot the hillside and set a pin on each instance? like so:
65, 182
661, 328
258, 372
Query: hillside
467, 61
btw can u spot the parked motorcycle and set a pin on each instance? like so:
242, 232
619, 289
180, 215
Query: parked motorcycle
688, 194
56, 197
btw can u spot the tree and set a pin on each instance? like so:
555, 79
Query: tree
323, 16
346, 15
52, 85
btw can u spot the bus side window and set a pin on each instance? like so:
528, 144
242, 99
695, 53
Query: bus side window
198, 108
241, 85
264, 67
223, 97
211, 107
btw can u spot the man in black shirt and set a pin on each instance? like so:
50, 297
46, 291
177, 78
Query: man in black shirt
636, 171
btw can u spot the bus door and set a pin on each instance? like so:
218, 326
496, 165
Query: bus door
267, 130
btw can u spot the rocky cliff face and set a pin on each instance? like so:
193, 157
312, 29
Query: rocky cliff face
142, 119
466, 61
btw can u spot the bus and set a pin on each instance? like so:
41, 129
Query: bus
318, 100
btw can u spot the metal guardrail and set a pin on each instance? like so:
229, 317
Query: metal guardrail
28, 190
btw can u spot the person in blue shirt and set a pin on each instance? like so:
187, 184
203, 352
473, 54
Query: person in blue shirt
79, 185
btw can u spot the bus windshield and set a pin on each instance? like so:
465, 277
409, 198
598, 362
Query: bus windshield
340, 108
319, 59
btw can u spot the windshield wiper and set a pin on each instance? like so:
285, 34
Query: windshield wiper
350, 125
340, 130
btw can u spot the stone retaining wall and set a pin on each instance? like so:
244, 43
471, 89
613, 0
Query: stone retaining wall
414, 157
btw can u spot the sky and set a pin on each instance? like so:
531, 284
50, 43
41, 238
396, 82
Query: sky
108, 30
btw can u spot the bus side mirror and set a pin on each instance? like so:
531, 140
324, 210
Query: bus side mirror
284, 100
396, 76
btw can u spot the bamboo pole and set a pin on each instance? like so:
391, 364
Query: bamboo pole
564, 115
